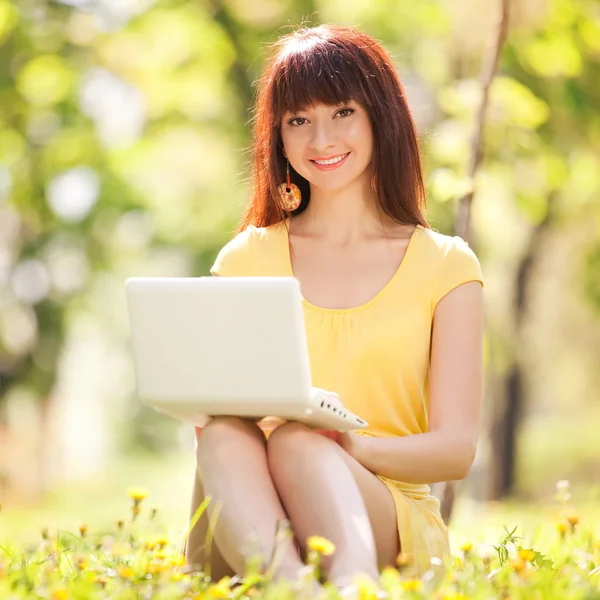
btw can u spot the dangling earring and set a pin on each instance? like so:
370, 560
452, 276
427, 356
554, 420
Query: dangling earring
374, 184
289, 193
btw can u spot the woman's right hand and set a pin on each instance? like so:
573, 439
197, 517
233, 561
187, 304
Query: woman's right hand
332, 398
327, 395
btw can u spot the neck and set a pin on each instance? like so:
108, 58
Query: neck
343, 216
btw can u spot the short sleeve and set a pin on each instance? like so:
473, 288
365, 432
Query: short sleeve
459, 265
235, 258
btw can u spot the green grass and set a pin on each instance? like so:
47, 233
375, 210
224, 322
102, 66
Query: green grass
71, 546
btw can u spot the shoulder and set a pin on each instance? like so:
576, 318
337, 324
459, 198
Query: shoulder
445, 250
246, 252
451, 262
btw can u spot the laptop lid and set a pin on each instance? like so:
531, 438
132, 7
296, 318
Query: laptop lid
225, 339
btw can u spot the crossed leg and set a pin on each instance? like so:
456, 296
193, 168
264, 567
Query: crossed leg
297, 475
326, 492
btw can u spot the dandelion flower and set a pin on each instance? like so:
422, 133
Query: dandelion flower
221, 589
562, 528
321, 545
518, 564
83, 529
572, 520
137, 494
177, 561
82, 564
402, 560
125, 572
411, 585
61, 594
467, 547
526, 554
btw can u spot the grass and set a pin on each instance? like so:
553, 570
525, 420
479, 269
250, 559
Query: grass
92, 543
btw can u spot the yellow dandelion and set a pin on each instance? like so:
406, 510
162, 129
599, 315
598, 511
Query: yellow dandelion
390, 572
161, 542
83, 529
321, 545
518, 565
562, 528
125, 572
467, 547
137, 494
526, 554
160, 555
177, 576
154, 568
61, 594
402, 560
411, 585
177, 561
149, 545
572, 520
82, 564
221, 589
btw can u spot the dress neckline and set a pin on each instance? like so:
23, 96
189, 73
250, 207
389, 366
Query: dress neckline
397, 274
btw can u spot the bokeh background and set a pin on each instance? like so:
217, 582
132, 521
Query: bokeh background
124, 133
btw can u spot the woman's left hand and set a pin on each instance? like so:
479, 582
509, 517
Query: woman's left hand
351, 443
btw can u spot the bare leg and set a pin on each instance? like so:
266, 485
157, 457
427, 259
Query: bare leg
198, 554
232, 460
326, 492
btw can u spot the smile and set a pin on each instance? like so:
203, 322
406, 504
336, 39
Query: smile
330, 163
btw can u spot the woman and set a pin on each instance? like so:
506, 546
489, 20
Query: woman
393, 314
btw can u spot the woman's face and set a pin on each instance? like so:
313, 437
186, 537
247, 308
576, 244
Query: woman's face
329, 133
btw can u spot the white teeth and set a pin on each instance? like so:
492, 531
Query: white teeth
331, 161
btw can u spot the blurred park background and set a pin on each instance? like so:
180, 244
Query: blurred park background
124, 133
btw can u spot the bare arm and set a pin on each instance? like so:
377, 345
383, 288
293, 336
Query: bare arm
446, 452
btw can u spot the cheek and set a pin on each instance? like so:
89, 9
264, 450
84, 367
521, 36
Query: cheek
293, 143
360, 134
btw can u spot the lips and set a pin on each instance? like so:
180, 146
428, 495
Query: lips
331, 166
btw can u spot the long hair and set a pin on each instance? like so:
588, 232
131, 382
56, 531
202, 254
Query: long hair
333, 64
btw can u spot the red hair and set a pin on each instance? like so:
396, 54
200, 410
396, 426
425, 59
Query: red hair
333, 64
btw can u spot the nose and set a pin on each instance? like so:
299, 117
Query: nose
322, 139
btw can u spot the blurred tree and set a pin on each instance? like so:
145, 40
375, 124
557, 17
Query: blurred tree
121, 126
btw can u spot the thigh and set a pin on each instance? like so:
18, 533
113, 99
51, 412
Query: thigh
378, 499
380, 508
198, 553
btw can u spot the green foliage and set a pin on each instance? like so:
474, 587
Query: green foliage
135, 558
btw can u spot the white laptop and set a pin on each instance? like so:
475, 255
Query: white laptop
212, 346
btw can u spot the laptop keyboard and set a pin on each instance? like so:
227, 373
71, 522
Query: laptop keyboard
337, 410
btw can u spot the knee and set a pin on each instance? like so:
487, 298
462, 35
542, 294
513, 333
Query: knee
224, 430
288, 442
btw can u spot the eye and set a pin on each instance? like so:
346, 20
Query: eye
348, 110
291, 121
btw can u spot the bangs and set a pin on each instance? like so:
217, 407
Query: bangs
315, 72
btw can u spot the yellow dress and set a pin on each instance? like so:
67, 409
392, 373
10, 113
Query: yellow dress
376, 356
